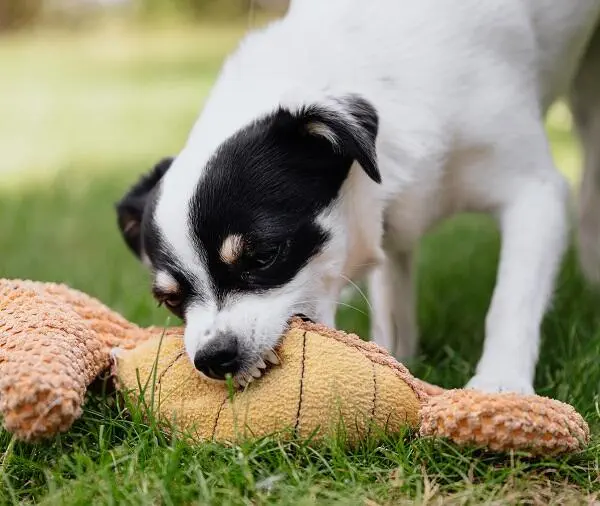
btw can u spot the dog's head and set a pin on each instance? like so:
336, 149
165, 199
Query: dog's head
253, 236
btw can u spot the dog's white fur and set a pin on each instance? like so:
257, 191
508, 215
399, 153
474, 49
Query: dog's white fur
461, 89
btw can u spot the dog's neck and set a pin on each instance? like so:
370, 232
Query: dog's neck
362, 209
355, 224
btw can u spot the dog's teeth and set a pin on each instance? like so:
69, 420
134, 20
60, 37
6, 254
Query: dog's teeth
244, 379
261, 363
255, 372
271, 357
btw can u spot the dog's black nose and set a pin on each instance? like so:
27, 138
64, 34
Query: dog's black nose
219, 357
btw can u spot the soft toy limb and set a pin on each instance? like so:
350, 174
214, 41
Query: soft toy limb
505, 421
53, 342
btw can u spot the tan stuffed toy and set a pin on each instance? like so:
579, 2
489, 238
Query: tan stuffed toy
54, 341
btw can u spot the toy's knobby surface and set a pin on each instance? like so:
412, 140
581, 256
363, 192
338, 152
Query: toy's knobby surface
54, 341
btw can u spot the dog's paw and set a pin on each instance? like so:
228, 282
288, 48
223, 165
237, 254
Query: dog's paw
493, 384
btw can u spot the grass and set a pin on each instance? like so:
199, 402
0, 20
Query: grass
82, 116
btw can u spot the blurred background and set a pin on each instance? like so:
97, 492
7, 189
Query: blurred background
94, 92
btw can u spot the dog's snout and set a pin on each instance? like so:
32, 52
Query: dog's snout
219, 358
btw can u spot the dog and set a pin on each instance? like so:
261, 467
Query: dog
335, 137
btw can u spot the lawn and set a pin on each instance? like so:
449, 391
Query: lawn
81, 117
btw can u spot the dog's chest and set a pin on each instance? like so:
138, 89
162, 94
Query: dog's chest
408, 217
457, 185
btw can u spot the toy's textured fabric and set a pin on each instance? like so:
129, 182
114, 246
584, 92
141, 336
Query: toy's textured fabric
328, 380
505, 421
55, 340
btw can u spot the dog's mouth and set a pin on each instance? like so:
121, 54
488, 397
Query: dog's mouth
267, 360
246, 376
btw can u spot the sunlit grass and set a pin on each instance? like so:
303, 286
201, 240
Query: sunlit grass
564, 148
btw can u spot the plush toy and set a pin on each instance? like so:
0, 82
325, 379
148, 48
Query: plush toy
54, 341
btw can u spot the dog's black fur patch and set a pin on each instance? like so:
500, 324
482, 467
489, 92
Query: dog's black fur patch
130, 209
190, 288
268, 183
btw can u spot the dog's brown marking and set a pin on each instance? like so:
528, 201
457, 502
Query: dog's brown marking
165, 283
232, 248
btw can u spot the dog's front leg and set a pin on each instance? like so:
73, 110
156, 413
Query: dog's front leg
393, 324
534, 231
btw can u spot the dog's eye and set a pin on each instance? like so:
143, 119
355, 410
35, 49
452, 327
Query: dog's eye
171, 300
265, 258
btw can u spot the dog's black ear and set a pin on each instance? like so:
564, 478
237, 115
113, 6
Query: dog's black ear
130, 209
351, 130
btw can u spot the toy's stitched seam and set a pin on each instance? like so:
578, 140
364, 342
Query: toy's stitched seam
370, 350
372, 421
214, 431
179, 355
301, 383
